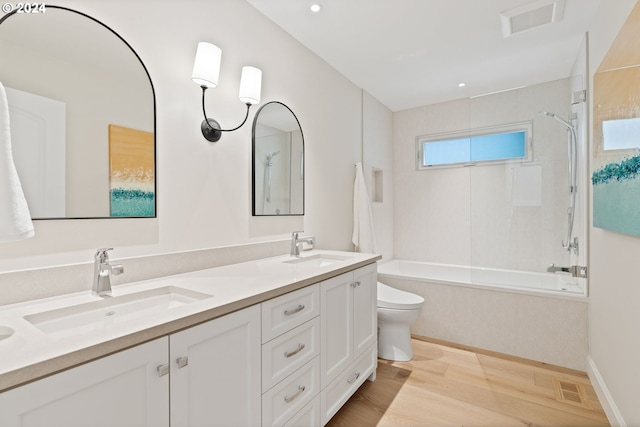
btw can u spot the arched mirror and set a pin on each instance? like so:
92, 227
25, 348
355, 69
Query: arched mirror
278, 161
82, 113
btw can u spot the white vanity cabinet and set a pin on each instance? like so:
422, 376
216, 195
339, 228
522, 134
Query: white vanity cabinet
349, 335
290, 358
205, 375
215, 372
121, 390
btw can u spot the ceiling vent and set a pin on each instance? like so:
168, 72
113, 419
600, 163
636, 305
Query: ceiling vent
531, 15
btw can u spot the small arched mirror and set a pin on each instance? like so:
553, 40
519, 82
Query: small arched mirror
278, 161
82, 112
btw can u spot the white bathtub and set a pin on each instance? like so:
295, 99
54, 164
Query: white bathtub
558, 285
538, 316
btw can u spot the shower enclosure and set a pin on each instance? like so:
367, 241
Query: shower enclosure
530, 216
517, 215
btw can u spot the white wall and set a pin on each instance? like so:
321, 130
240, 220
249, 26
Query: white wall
377, 131
614, 285
204, 189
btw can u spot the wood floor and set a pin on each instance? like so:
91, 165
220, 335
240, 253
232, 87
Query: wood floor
444, 386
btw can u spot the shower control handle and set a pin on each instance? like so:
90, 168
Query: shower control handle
574, 270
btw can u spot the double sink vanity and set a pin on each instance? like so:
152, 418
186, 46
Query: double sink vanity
278, 341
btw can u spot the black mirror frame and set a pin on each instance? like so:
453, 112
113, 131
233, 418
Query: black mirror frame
253, 160
153, 92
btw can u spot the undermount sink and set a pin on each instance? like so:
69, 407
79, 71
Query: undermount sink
108, 312
5, 332
320, 260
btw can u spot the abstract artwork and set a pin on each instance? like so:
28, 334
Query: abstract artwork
131, 172
616, 133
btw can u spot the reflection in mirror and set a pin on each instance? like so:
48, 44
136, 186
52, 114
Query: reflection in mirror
278, 162
82, 110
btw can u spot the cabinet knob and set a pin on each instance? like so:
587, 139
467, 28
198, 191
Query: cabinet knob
354, 378
182, 361
288, 399
298, 309
162, 370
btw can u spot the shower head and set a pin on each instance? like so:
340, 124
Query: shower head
272, 155
555, 116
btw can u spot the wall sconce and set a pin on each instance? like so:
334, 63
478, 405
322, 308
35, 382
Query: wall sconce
206, 71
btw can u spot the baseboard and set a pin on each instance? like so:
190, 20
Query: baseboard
606, 400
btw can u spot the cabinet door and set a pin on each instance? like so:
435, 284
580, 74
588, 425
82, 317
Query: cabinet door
365, 316
124, 389
215, 372
336, 331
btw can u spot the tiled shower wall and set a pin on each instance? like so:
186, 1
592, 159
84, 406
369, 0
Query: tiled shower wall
484, 215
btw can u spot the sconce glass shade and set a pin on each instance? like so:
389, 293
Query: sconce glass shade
206, 68
250, 85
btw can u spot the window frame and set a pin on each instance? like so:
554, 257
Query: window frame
526, 126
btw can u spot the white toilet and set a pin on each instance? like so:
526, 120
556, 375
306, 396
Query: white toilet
397, 310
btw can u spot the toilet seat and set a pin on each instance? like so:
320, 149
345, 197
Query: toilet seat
396, 299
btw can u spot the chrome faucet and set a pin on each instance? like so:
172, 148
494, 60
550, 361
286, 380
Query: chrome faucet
102, 272
297, 241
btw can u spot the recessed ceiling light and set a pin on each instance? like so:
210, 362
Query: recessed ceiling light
315, 7
462, 84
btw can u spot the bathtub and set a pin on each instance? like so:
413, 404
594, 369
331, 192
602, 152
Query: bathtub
555, 285
536, 316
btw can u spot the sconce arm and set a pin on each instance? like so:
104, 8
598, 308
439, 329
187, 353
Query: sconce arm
211, 128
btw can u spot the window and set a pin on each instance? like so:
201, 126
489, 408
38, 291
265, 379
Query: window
499, 144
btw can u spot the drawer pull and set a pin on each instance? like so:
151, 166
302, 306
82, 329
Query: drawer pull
162, 370
355, 377
288, 354
288, 399
298, 309
182, 361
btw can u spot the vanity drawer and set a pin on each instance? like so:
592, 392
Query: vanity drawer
309, 416
288, 397
285, 312
340, 390
289, 351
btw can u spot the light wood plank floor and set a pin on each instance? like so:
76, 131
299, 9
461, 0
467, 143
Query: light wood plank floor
445, 386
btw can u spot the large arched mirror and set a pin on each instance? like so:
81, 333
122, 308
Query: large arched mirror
82, 113
278, 161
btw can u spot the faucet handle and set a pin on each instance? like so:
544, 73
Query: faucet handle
102, 253
295, 234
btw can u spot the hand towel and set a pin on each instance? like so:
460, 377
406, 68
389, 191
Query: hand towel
363, 237
15, 218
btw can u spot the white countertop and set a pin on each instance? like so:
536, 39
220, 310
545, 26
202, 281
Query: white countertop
29, 353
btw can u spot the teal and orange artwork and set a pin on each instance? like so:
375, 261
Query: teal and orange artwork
132, 172
616, 196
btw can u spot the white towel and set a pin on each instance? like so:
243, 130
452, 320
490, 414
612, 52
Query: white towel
15, 219
364, 237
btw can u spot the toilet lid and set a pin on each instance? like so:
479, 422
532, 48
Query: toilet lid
389, 297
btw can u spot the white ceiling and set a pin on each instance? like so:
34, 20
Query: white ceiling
409, 53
